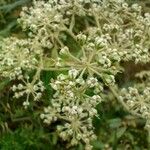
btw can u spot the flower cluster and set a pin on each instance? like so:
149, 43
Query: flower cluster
74, 107
137, 100
51, 15
113, 38
110, 32
93, 60
27, 88
16, 56
121, 38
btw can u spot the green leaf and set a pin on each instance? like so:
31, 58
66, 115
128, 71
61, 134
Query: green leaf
4, 83
98, 145
120, 132
54, 139
9, 7
115, 123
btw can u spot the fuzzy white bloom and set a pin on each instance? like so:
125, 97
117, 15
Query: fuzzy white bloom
75, 107
137, 100
28, 89
64, 51
73, 73
15, 56
92, 82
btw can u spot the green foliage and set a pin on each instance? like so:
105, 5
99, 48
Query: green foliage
22, 129
9, 11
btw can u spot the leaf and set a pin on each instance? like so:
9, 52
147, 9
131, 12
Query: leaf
3, 84
48, 62
120, 132
9, 7
5, 32
80, 147
54, 139
114, 123
98, 145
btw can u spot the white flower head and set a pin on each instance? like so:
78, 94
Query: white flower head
73, 73
92, 82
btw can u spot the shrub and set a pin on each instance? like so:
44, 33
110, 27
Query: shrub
69, 63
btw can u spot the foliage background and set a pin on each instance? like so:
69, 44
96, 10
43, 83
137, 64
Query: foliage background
22, 130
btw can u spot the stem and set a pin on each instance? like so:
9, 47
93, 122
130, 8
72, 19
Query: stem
148, 138
74, 58
21, 119
38, 70
81, 75
72, 22
59, 42
56, 69
5, 108
63, 118
71, 34
83, 51
97, 21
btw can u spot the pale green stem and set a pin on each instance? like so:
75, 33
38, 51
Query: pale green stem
148, 138
72, 22
71, 34
36, 76
56, 69
74, 58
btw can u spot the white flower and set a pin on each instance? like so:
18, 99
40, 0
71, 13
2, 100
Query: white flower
27, 88
64, 51
26, 104
92, 82
74, 107
73, 73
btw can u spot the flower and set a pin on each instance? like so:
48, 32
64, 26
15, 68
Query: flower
28, 88
74, 107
